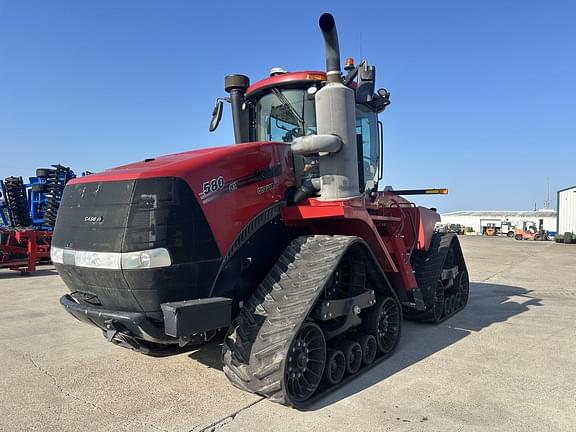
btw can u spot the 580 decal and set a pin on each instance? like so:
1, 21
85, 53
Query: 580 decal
217, 186
212, 185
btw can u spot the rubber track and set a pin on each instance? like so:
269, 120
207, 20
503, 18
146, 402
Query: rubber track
428, 266
259, 337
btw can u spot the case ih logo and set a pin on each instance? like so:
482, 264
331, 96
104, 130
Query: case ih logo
93, 219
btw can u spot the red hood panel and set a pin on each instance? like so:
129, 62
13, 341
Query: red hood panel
233, 184
176, 165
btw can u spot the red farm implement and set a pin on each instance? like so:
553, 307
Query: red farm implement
22, 250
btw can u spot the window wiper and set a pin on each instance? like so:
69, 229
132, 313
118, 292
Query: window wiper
286, 103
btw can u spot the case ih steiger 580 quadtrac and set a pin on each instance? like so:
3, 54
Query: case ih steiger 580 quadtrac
283, 239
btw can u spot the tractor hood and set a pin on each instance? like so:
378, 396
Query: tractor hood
229, 183
173, 165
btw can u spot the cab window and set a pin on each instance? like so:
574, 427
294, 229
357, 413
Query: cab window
283, 115
367, 132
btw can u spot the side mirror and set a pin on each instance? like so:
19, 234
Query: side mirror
365, 87
216, 115
380, 100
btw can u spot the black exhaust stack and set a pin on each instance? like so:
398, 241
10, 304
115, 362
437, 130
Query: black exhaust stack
237, 85
335, 139
331, 46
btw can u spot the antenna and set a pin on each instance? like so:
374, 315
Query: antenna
360, 48
547, 202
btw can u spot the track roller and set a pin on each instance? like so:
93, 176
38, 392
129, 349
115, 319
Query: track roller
353, 355
369, 346
335, 367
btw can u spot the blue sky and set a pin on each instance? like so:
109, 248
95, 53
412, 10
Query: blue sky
483, 93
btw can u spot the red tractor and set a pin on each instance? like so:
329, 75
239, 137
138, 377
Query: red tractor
282, 239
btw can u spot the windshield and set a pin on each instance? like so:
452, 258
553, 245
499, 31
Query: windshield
283, 115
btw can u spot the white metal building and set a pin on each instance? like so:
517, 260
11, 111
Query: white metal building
483, 218
567, 210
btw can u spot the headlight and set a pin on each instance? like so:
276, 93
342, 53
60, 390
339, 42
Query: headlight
57, 255
152, 258
104, 260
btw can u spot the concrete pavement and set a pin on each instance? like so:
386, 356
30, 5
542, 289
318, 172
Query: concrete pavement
506, 363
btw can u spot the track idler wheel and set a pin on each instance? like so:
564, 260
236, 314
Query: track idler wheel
369, 346
305, 363
353, 354
463, 284
335, 367
438, 308
383, 322
448, 305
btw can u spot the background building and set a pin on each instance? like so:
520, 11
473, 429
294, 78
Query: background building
567, 210
478, 220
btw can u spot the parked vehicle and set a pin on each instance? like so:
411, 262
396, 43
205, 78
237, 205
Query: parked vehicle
454, 228
311, 274
530, 231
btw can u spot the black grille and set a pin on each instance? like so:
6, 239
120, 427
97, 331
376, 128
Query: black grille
127, 216
164, 213
108, 203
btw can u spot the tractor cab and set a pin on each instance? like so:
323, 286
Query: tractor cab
282, 108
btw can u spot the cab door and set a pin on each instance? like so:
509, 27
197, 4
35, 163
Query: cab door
369, 142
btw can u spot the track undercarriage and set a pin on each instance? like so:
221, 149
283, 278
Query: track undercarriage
325, 313
442, 276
